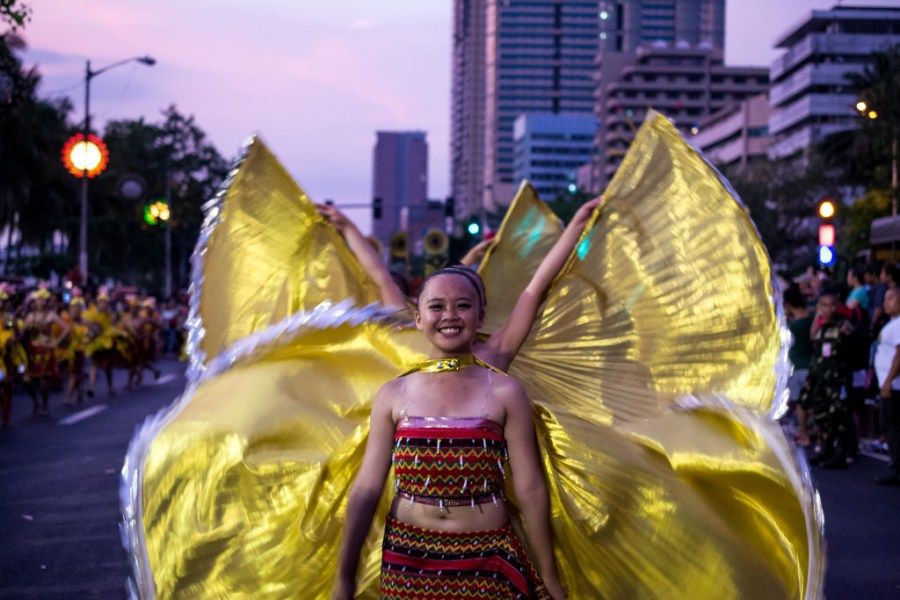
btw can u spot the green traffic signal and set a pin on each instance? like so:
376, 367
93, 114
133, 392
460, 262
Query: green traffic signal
156, 212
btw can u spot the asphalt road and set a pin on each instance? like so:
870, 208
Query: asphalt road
59, 507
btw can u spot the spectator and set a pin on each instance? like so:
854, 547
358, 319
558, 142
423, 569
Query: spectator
828, 373
887, 368
800, 353
889, 275
169, 318
858, 355
876, 296
858, 298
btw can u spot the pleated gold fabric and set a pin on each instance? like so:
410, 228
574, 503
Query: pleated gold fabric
669, 292
659, 488
269, 255
528, 231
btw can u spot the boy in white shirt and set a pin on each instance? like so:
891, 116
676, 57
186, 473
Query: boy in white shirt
887, 368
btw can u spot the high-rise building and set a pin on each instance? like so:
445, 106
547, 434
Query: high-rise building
512, 57
683, 82
737, 135
399, 179
549, 149
811, 97
626, 25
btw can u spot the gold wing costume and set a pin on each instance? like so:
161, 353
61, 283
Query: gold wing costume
654, 368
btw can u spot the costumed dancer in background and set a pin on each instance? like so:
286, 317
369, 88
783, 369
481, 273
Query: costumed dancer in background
448, 426
147, 335
78, 340
131, 321
43, 332
13, 360
102, 345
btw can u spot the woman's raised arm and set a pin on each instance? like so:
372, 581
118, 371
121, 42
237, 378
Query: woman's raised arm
504, 344
391, 295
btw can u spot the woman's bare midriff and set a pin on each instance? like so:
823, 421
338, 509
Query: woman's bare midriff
451, 518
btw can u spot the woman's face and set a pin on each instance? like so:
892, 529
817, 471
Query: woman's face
449, 313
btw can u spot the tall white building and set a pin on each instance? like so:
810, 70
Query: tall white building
549, 149
512, 57
810, 96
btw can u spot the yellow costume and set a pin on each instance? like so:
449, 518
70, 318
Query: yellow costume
103, 331
108, 339
653, 370
14, 359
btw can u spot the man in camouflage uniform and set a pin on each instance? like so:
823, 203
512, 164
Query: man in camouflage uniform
828, 372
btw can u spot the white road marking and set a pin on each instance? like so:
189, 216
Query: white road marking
81, 415
876, 455
164, 379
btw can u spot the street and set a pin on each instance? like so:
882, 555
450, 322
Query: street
59, 507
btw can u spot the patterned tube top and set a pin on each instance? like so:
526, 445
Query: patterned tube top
449, 461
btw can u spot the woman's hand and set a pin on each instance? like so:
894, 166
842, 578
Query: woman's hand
476, 253
583, 214
335, 217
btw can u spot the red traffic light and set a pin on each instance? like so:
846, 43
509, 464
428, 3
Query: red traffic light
826, 234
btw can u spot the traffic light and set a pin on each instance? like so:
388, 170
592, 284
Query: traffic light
450, 207
826, 210
376, 209
473, 227
157, 212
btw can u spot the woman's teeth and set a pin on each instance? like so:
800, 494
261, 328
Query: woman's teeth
450, 331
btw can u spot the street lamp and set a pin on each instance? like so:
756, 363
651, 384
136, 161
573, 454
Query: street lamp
88, 76
865, 110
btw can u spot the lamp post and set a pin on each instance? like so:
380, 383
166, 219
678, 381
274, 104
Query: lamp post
88, 76
868, 111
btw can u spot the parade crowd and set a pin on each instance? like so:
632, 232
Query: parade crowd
62, 340
844, 385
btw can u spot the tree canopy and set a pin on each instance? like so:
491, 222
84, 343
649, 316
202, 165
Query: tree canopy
39, 207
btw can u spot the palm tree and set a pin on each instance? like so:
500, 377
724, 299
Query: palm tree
862, 154
33, 185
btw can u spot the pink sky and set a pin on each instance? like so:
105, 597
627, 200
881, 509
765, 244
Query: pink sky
315, 79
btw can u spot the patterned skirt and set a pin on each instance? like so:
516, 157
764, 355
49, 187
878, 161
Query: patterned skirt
422, 563
42, 362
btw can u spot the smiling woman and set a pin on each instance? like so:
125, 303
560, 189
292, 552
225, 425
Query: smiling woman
448, 426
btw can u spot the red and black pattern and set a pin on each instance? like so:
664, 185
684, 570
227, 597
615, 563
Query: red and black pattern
449, 462
438, 565
42, 362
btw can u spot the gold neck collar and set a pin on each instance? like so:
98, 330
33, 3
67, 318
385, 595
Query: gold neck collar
448, 364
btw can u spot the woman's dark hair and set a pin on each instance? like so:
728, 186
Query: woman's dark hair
471, 276
858, 273
890, 269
